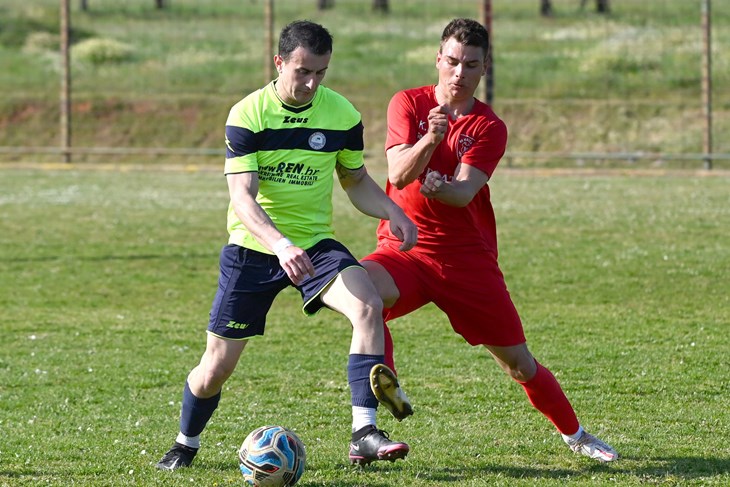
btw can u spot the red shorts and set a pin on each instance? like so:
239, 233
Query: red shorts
469, 288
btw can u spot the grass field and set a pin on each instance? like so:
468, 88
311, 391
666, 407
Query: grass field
106, 278
576, 82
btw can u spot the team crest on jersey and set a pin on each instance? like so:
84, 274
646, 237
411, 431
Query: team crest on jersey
317, 140
465, 143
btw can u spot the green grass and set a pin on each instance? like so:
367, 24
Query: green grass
106, 278
577, 82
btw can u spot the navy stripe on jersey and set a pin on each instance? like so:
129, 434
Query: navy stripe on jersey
241, 141
296, 109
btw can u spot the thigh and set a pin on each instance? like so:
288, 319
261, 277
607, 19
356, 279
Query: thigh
411, 274
330, 258
222, 353
247, 285
350, 293
216, 365
383, 282
474, 296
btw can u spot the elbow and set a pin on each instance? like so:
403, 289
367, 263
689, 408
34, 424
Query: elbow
399, 180
397, 183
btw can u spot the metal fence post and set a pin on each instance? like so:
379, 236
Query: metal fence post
269, 50
489, 74
707, 82
65, 97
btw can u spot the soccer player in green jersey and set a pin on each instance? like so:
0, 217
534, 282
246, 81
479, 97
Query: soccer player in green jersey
284, 142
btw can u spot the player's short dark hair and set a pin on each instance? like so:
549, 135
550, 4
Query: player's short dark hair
303, 33
468, 32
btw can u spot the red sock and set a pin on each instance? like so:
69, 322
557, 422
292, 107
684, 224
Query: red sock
546, 396
389, 360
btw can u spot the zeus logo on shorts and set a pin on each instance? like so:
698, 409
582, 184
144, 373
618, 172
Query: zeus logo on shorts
237, 326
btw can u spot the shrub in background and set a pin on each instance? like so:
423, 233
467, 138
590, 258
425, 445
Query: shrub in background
98, 51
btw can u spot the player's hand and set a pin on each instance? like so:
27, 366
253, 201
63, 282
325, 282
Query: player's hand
432, 185
438, 122
295, 263
404, 229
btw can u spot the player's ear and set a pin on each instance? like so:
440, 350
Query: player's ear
278, 62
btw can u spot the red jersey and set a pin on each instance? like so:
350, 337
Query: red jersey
478, 139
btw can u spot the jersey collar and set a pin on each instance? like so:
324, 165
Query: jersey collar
290, 108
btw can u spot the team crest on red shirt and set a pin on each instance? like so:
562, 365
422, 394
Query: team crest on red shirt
465, 143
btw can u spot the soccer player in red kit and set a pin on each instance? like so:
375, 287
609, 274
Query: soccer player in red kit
442, 147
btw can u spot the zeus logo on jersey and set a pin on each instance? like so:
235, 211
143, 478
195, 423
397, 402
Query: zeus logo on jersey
289, 119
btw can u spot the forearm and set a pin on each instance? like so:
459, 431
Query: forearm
407, 162
370, 199
258, 223
454, 193
243, 189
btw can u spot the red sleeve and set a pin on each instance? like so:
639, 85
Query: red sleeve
402, 125
489, 148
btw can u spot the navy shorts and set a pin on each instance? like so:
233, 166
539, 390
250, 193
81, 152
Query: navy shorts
250, 280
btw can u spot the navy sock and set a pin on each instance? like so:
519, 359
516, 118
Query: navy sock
196, 412
358, 375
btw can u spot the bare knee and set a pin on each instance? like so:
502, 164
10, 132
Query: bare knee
215, 367
383, 282
369, 310
215, 375
516, 361
366, 317
523, 371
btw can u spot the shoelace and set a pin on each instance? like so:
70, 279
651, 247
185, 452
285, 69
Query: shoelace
587, 438
382, 433
584, 439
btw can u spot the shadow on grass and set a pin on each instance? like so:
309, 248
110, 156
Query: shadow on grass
346, 475
687, 468
679, 468
655, 469
464, 473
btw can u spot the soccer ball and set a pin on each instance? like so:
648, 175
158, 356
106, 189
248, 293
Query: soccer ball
272, 456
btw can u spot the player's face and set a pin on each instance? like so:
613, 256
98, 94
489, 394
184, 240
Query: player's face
300, 75
460, 68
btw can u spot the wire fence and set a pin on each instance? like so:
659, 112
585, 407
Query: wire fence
644, 83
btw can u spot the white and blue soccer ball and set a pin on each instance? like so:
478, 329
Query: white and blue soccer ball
272, 456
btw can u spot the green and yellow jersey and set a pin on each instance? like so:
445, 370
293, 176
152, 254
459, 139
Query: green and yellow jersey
294, 150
